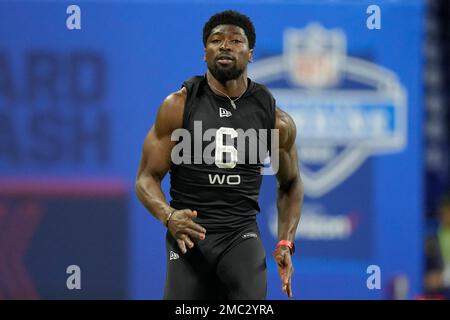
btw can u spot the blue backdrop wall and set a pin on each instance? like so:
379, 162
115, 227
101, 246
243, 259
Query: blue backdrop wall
75, 106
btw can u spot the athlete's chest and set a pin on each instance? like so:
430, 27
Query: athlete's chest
212, 113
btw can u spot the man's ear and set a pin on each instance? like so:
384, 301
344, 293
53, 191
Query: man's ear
250, 55
204, 54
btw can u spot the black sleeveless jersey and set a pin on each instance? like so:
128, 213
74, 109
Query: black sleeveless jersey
218, 160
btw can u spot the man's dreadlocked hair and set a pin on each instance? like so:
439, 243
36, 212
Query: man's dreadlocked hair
234, 18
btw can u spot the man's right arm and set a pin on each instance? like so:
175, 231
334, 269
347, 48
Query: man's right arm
154, 165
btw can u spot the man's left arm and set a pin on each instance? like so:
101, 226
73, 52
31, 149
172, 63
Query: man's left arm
289, 197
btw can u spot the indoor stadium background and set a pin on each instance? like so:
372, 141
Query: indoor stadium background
368, 87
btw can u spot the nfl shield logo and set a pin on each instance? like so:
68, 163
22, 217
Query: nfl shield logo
346, 109
314, 56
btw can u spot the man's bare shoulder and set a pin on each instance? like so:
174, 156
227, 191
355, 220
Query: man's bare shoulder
286, 125
170, 114
175, 101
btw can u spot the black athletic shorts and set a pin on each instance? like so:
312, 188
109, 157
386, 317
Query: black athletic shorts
225, 265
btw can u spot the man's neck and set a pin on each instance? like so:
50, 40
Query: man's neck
232, 88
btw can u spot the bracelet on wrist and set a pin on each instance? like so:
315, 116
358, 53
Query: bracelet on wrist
168, 217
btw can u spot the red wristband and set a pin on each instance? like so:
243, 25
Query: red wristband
288, 244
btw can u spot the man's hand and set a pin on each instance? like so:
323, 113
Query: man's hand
282, 257
182, 227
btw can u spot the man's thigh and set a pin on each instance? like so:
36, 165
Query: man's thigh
188, 276
242, 271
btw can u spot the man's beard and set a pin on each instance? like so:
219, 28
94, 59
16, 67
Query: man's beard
224, 74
